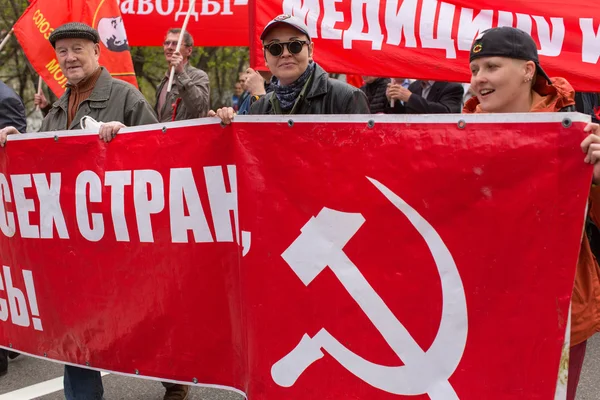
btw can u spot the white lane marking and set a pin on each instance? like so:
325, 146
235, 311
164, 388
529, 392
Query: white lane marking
37, 390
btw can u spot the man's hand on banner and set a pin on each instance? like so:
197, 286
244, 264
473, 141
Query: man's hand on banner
255, 84
4, 132
226, 114
591, 146
396, 91
40, 100
177, 62
109, 130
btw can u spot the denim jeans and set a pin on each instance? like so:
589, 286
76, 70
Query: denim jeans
83, 384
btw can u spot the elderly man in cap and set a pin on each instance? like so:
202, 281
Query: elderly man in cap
300, 85
91, 91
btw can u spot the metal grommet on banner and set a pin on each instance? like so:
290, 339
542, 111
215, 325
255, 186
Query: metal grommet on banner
371, 124
10, 345
87, 363
290, 123
462, 124
195, 380
56, 138
45, 354
567, 122
137, 372
164, 129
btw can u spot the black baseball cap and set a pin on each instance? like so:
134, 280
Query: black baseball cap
508, 42
288, 20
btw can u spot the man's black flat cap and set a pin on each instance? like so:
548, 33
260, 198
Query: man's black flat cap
74, 30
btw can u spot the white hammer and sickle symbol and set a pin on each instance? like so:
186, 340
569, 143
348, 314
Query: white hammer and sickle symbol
320, 245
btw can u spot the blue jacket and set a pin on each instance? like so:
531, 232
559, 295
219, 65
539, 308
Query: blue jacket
12, 110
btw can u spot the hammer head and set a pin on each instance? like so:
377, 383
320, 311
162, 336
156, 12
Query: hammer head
321, 242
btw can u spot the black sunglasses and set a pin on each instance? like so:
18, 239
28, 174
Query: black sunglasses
294, 47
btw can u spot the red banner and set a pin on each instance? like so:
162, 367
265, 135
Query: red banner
378, 260
212, 23
430, 39
43, 16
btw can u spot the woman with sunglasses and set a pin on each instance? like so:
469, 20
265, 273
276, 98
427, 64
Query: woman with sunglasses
300, 85
506, 77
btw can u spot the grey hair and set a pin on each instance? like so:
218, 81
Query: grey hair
188, 40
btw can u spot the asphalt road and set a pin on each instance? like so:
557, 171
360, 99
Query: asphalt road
589, 385
26, 371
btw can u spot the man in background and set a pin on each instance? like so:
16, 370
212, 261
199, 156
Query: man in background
425, 97
190, 95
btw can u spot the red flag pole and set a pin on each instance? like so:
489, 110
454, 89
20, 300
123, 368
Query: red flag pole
5, 40
39, 91
185, 23
392, 101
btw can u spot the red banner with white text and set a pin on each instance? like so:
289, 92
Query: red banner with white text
430, 39
316, 258
212, 22
42, 17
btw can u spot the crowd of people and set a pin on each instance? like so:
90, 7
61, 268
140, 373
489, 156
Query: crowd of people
506, 78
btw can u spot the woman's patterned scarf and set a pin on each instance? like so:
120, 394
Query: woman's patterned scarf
288, 94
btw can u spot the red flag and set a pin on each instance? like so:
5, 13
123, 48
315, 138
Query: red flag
355, 80
40, 19
212, 22
422, 39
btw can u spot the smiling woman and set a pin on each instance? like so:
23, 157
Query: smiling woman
506, 77
498, 82
300, 85
285, 55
